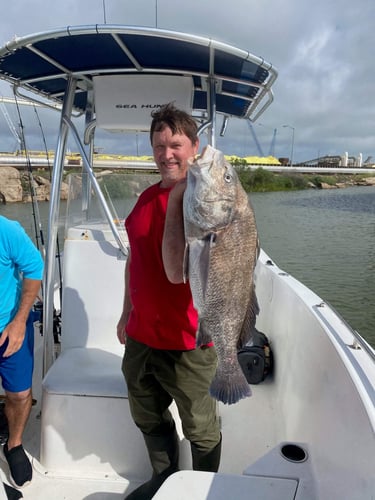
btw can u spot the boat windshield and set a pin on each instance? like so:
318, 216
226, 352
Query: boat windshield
120, 190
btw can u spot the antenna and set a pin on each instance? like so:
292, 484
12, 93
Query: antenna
259, 147
104, 14
10, 124
156, 13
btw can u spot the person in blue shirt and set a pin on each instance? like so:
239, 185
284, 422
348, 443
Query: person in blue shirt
21, 271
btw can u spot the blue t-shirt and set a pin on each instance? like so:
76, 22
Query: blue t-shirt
19, 258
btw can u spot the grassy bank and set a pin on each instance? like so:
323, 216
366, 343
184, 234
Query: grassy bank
261, 180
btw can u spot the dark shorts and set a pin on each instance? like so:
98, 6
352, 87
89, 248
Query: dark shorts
16, 371
157, 377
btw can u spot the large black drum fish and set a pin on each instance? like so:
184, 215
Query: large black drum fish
222, 250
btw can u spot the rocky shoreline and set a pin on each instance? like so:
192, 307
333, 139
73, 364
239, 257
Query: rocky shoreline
366, 181
15, 185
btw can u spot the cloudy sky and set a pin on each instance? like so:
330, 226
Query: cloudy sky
323, 51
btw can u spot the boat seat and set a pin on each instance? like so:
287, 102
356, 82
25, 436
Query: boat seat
86, 421
187, 485
87, 372
283, 473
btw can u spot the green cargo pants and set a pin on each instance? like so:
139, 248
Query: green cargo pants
156, 377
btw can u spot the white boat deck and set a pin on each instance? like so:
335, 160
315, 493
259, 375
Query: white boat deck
105, 482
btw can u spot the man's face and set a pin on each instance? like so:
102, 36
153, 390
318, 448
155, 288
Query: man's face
171, 153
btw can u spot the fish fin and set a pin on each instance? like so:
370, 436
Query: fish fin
212, 239
199, 262
230, 390
203, 338
257, 250
185, 271
248, 326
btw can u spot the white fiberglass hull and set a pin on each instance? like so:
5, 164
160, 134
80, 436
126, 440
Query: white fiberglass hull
320, 399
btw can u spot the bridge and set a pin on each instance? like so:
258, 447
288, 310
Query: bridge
72, 161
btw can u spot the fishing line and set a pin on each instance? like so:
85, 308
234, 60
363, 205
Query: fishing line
50, 178
50, 174
35, 207
44, 140
34, 202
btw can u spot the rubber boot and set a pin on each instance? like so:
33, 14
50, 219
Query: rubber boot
163, 452
204, 460
12, 493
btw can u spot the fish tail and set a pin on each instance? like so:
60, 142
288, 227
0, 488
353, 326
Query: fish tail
230, 390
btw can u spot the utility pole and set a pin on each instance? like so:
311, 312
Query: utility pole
292, 149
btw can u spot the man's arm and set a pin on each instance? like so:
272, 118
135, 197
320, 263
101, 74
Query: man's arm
173, 246
121, 334
15, 330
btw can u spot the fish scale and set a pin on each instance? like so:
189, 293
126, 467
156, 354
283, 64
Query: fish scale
221, 236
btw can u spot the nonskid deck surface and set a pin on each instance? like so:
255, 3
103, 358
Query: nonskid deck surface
46, 486
244, 446
238, 441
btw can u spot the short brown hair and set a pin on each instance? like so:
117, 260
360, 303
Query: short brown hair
177, 120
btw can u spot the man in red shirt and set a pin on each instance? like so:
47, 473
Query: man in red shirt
159, 322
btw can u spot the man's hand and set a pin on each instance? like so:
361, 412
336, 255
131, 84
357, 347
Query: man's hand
121, 334
16, 329
177, 193
15, 333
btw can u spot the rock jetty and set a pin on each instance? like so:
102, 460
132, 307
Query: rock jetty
365, 181
15, 186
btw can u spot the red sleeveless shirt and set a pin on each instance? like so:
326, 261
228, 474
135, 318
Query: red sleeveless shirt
163, 315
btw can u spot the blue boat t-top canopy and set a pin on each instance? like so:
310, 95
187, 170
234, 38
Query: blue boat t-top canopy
43, 62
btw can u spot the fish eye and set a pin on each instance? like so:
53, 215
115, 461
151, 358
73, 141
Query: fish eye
227, 177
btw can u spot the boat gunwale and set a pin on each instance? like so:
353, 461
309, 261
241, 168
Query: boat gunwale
356, 360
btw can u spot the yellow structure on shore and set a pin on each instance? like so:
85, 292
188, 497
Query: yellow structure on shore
75, 158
